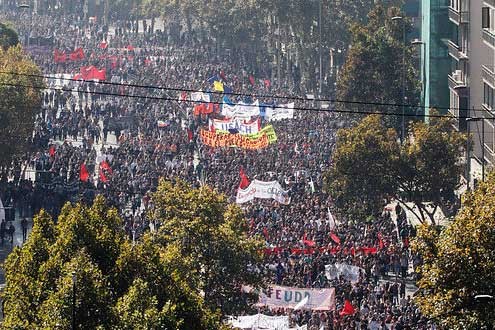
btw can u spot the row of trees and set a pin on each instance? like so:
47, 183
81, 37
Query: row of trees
20, 98
185, 275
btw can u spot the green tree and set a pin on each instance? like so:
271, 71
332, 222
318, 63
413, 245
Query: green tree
8, 36
360, 179
370, 167
459, 263
20, 98
219, 256
378, 64
118, 285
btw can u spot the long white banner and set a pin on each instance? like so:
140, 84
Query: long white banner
260, 321
298, 298
264, 190
283, 111
241, 126
241, 110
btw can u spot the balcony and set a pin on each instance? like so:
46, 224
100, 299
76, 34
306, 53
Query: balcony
455, 51
488, 74
458, 82
458, 17
489, 37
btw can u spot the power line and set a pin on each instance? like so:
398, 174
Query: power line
219, 103
161, 98
243, 94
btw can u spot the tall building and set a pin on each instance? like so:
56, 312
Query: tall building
435, 61
472, 77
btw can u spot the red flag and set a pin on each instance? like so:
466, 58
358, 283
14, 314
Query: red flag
335, 238
308, 242
268, 83
265, 233
130, 48
348, 309
83, 173
147, 61
51, 151
189, 135
105, 166
251, 80
59, 57
77, 54
103, 45
244, 179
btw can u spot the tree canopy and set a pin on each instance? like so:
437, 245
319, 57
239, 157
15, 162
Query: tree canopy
8, 36
370, 167
378, 64
459, 263
20, 98
173, 279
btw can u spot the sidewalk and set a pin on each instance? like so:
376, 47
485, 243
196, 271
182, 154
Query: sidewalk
8, 247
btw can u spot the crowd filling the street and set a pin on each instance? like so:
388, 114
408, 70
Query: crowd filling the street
125, 105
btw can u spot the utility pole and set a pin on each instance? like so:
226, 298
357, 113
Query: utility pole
319, 48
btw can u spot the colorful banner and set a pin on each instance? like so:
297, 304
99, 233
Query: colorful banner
263, 190
288, 297
283, 111
213, 139
240, 126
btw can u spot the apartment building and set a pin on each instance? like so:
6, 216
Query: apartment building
471, 79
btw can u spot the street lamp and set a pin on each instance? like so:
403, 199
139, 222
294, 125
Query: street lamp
422, 44
73, 300
468, 120
403, 129
319, 48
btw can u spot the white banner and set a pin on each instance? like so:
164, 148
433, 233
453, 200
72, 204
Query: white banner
264, 190
241, 126
345, 271
200, 97
288, 297
283, 111
241, 110
260, 321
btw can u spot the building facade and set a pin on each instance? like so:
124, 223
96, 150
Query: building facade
472, 78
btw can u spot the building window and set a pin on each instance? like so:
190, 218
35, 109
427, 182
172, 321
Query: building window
488, 100
454, 103
455, 4
485, 17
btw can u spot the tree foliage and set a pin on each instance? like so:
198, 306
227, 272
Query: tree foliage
459, 263
378, 64
118, 284
211, 235
8, 36
370, 166
20, 98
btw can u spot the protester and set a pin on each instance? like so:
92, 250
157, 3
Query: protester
95, 138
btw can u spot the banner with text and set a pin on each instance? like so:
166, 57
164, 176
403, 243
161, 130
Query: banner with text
214, 139
282, 111
241, 110
268, 130
241, 126
345, 271
288, 297
263, 190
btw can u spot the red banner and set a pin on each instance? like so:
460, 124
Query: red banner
91, 73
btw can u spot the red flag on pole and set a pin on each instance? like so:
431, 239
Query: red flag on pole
105, 166
335, 238
348, 309
189, 135
103, 45
244, 179
381, 244
308, 242
83, 173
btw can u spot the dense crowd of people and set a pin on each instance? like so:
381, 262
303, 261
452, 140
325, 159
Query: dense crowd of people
127, 137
